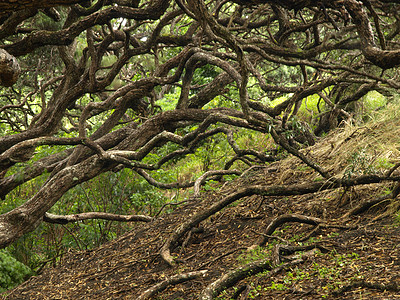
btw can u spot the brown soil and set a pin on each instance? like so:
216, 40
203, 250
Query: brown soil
362, 262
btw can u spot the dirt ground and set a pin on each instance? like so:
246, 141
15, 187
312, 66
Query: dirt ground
357, 258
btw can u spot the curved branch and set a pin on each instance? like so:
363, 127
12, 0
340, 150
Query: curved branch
393, 287
24, 150
176, 279
229, 279
161, 185
385, 59
203, 178
274, 190
9, 27
67, 35
27, 215
284, 219
10, 6
281, 140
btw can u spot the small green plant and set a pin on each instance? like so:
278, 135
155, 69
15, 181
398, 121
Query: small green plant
303, 168
278, 286
383, 163
223, 296
296, 275
253, 255
331, 275
318, 178
360, 163
255, 291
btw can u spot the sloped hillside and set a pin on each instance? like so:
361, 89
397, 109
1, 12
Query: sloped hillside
280, 231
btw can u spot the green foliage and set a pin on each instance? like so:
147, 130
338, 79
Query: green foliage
255, 291
311, 107
342, 263
214, 153
374, 101
278, 286
146, 198
360, 163
257, 253
119, 193
205, 74
12, 272
168, 102
383, 163
329, 274
124, 192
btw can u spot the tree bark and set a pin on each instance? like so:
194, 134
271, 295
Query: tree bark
10, 6
176, 279
58, 219
9, 68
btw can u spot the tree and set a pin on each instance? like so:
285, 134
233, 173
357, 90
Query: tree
92, 73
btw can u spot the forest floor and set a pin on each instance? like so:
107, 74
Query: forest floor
357, 257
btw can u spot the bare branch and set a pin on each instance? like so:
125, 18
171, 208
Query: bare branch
275, 190
58, 219
229, 279
203, 178
176, 279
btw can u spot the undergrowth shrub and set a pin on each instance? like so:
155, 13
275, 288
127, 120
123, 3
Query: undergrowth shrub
12, 272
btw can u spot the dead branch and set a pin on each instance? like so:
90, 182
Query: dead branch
362, 207
274, 190
203, 178
149, 293
323, 225
371, 285
285, 219
58, 219
168, 204
281, 140
279, 250
231, 278
209, 262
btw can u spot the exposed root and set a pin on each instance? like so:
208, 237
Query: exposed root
279, 250
371, 285
362, 207
322, 225
203, 178
196, 219
284, 219
231, 278
243, 292
149, 293
221, 256
272, 190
